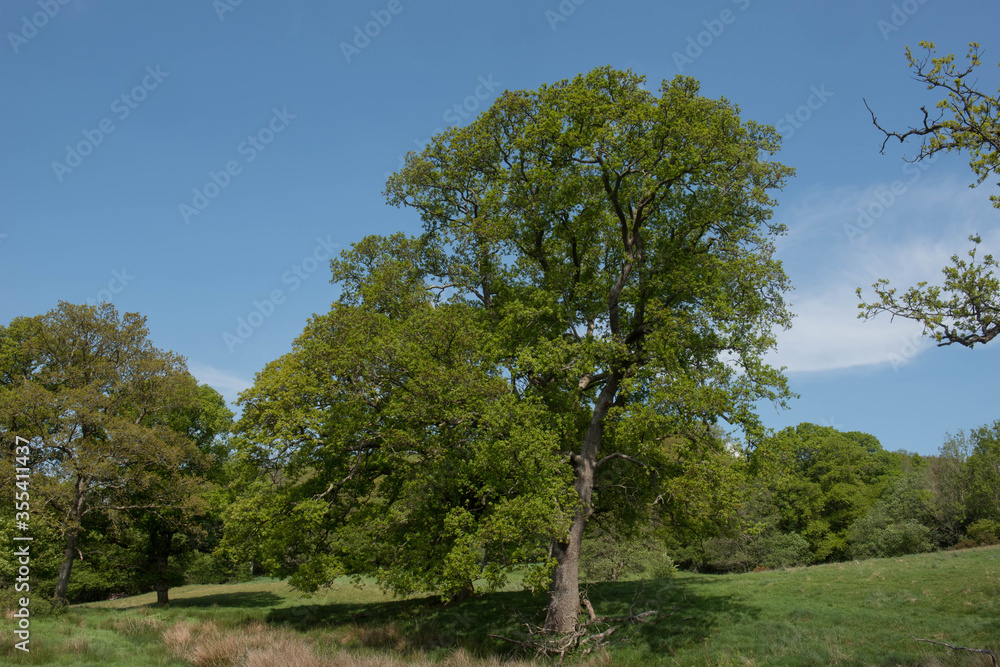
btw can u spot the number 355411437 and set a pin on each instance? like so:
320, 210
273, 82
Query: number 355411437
21, 454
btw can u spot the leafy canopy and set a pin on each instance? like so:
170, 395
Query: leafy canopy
593, 289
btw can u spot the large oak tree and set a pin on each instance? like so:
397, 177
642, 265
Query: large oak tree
595, 283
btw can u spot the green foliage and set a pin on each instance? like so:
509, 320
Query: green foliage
103, 410
965, 308
204, 568
613, 558
820, 481
983, 467
594, 288
896, 524
416, 441
783, 550
983, 532
947, 479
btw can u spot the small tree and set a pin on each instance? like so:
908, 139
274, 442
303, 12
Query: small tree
92, 395
983, 467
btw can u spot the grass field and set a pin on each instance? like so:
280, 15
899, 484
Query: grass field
860, 613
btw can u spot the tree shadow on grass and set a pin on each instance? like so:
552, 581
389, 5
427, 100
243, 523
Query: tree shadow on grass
228, 600
253, 599
422, 623
688, 611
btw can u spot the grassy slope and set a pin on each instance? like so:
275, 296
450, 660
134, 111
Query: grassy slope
849, 613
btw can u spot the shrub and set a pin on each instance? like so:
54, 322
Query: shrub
605, 558
983, 532
203, 568
871, 538
783, 550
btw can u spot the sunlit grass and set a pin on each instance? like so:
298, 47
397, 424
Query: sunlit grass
860, 613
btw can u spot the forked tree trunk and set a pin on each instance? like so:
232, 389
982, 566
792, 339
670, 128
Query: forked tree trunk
564, 592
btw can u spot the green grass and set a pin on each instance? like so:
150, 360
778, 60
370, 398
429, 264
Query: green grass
859, 613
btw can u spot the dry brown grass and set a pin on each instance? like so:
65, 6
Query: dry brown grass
257, 645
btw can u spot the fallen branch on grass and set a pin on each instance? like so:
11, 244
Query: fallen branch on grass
960, 648
584, 638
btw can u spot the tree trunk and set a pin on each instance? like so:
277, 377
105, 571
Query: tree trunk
161, 542
462, 595
76, 512
162, 598
564, 592
62, 583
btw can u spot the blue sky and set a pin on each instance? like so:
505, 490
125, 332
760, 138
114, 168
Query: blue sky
199, 162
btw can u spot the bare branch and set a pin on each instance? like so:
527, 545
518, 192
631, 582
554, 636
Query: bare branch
618, 455
960, 648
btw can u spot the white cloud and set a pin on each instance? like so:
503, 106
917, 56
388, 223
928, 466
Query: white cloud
911, 240
225, 383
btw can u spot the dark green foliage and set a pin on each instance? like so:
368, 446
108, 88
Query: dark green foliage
610, 558
783, 549
821, 481
120, 437
983, 467
896, 524
983, 532
205, 568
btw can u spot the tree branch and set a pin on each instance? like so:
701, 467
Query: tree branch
618, 455
960, 648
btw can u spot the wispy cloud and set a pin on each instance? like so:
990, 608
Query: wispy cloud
227, 384
911, 240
